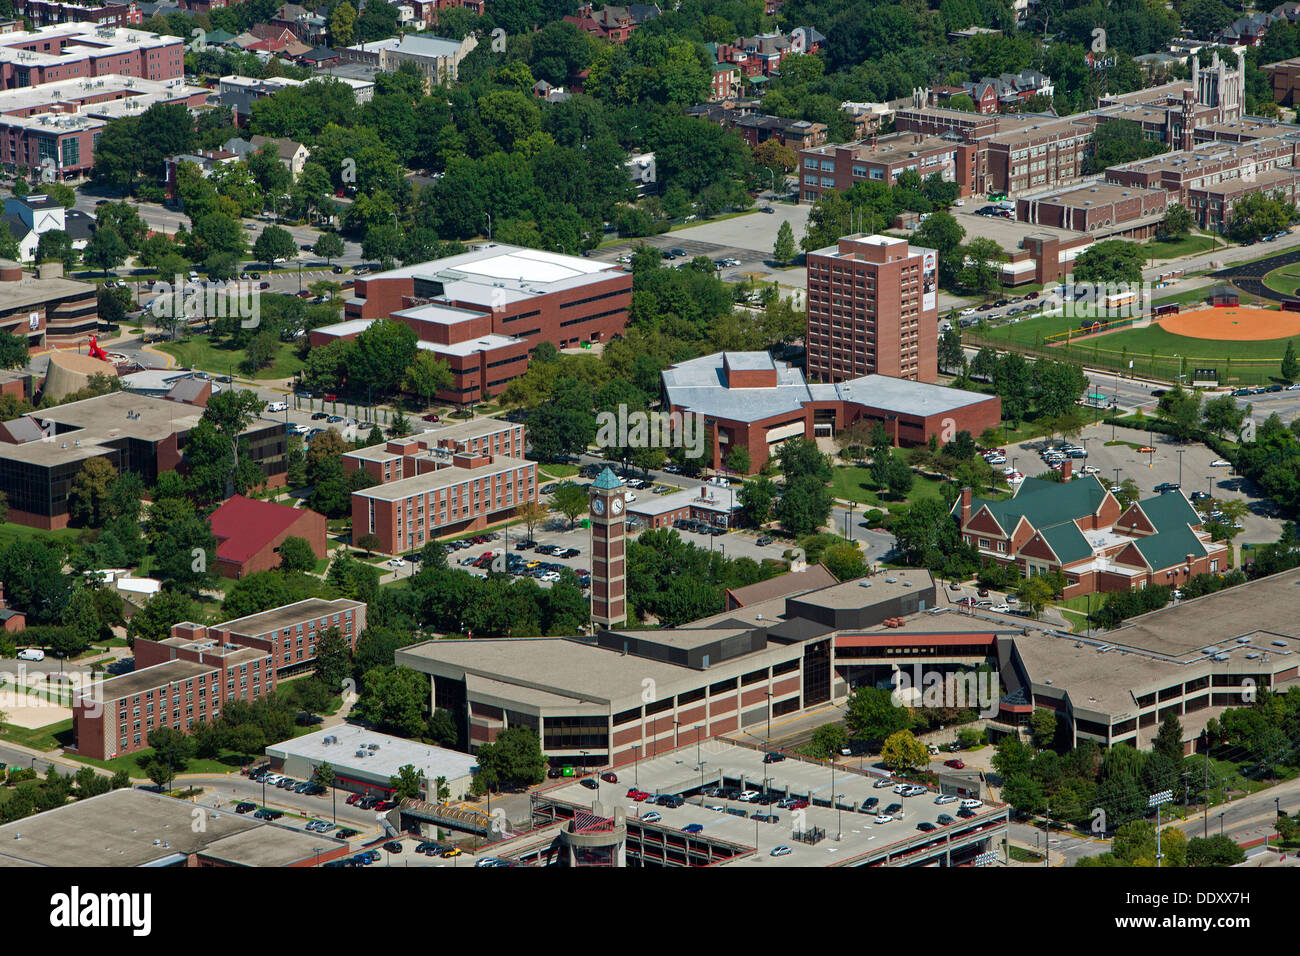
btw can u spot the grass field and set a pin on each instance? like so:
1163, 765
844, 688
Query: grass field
199, 352
1285, 280
9, 533
1152, 350
1186, 246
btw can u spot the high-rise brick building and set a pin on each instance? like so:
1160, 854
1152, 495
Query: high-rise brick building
873, 309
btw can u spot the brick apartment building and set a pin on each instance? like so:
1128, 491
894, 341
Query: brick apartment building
192, 683
1078, 528
44, 13
249, 533
753, 402
83, 50
467, 493
483, 311
873, 309
188, 677
881, 159
133, 433
413, 455
288, 634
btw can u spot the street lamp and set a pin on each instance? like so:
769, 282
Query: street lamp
1117, 471
698, 728
1221, 822
1180, 467
1158, 800
636, 766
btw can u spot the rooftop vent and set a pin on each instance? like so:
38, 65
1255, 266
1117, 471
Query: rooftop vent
1279, 643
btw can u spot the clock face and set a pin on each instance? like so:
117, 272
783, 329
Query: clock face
616, 505
598, 506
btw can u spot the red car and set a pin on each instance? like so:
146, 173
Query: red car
955, 763
354, 799
799, 804
430, 417
638, 795
609, 776
1146, 450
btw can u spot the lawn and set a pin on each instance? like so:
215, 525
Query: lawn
557, 472
1186, 246
134, 763
49, 737
203, 353
10, 533
1285, 280
853, 483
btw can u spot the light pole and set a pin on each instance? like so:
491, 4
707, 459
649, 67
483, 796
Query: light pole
698, 728
1180, 467
1158, 800
636, 766
769, 720
1221, 822
1117, 471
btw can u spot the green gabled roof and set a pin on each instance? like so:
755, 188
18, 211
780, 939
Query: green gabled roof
218, 37
1169, 511
607, 480
1045, 503
1171, 546
1068, 542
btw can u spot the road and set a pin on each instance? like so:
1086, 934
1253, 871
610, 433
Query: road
1247, 818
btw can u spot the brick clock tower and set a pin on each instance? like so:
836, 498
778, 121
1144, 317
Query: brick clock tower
608, 551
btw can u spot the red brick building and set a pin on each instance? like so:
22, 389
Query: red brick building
881, 159
289, 633
1078, 528
750, 401
483, 311
467, 493
184, 683
249, 532
413, 455
74, 51
873, 309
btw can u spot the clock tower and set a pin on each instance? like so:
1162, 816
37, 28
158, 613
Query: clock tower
608, 551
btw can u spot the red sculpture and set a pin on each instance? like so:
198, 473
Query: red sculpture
95, 351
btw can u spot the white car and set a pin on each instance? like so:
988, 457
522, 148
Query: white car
1090, 470
972, 804
550, 577
914, 791
1220, 463
883, 817
396, 563
651, 817
1001, 608
945, 798
630, 496
900, 787
748, 796
31, 654
278, 407
996, 459
965, 312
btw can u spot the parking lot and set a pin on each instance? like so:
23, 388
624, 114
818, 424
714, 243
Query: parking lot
844, 805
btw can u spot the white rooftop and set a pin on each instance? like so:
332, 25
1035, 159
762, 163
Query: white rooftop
392, 754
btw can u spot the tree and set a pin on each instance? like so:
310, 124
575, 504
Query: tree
531, 513
1178, 222
902, 751
1119, 141
1042, 727
333, 660
1169, 739
88, 494
1182, 410
274, 243
1290, 367
844, 559
738, 460
105, 250
370, 543
942, 233
570, 500
784, 249
983, 274
394, 699
756, 498
872, 715
1214, 851
343, 24
55, 245
1035, 593
1110, 261
329, 246
154, 621
827, 741
427, 376
296, 554
514, 759
383, 353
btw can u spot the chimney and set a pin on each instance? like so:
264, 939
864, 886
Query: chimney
965, 506
1067, 469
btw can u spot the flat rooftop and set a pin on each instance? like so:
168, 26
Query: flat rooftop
271, 845
29, 290
278, 618
861, 592
847, 788
76, 41
125, 827
387, 758
890, 148
494, 274
1096, 194
439, 479
460, 432
148, 678
722, 499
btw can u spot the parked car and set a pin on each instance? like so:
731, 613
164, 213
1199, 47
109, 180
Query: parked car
1220, 463
781, 850
956, 762
651, 817
609, 776
693, 828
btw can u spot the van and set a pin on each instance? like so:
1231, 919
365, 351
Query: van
31, 654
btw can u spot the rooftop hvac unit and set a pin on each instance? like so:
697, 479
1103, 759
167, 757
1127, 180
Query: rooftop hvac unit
1243, 640
1279, 643
1252, 656
361, 753
372, 746
1220, 657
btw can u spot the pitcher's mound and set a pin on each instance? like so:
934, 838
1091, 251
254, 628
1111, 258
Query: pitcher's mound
1238, 324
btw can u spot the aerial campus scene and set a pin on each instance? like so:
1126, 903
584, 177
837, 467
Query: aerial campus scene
874, 425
